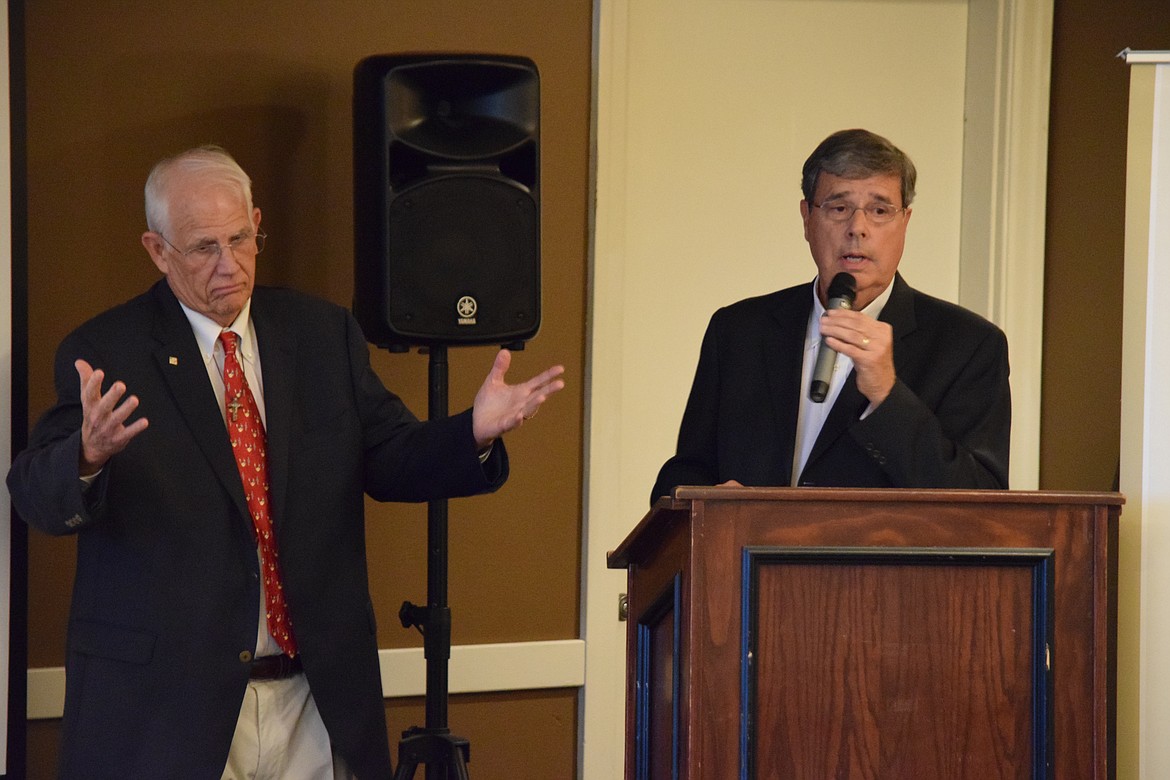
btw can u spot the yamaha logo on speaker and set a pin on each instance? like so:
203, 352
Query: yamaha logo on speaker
466, 307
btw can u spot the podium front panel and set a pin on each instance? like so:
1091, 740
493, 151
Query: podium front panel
897, 663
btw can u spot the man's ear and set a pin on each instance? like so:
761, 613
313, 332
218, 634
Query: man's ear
156, 248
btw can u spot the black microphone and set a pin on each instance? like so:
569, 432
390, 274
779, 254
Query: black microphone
841, 296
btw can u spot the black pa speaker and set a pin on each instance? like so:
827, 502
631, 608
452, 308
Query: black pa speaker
446, 199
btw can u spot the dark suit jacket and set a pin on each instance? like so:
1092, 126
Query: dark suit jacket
166, 595
946, 424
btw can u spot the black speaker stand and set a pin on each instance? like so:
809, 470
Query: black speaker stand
445, 755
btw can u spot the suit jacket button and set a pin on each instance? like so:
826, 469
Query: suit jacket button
246, 657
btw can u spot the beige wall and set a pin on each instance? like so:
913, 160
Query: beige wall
723, 103
706, 113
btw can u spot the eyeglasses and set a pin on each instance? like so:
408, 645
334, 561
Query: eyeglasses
840, 211
208, 251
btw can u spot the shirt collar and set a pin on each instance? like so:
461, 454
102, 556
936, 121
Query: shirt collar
207, 330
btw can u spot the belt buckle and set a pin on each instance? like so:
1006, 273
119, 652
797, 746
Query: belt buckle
273, 667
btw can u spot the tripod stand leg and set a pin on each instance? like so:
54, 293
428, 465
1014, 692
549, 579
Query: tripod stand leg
439, 751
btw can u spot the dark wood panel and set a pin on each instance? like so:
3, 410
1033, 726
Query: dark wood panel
662, 587
900, 669
658, 672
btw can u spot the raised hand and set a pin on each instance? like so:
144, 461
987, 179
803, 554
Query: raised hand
104, 432
500, 407
869, 343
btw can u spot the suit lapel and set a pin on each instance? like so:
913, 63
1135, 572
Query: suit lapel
783, 360
851, 404
278, 361
899, 312
181, 364
846, 410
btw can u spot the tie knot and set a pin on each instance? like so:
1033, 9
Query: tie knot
229, 339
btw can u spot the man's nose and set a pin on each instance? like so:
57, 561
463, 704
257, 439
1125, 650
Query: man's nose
858, 223
228, 261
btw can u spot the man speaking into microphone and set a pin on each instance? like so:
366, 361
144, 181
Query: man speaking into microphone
808, 386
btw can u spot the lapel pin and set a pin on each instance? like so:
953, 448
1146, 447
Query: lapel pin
174, 361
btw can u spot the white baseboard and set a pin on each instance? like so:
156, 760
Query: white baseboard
513, 666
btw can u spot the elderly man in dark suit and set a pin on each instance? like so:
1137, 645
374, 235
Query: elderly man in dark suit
221, 623
919, 397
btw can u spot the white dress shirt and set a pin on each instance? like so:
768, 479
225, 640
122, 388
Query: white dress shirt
811, 415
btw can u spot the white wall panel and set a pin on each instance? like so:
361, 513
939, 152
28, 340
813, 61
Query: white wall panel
1144, 578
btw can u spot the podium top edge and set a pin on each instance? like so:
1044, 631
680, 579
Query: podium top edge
709, 493
676, 508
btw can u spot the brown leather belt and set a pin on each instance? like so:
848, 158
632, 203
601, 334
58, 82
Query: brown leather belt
274, 667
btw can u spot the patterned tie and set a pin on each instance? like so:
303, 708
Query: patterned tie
248, 443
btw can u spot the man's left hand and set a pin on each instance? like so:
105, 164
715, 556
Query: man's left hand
500, 407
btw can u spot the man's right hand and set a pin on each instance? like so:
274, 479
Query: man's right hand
104, 432
869, 343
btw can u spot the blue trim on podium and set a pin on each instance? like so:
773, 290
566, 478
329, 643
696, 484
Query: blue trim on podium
667, 605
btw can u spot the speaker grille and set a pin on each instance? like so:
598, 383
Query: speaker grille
463, 241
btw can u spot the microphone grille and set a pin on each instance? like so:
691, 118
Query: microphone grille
843, 286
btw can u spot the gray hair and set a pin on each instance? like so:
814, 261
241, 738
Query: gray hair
858, 154
208, 160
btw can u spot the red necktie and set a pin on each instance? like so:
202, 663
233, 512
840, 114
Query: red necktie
248, 443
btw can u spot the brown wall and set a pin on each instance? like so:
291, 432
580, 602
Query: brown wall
1084, 249
112, 87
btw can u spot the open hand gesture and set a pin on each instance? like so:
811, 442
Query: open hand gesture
500, 407
104, 432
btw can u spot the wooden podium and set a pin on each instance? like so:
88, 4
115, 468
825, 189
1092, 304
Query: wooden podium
809, 633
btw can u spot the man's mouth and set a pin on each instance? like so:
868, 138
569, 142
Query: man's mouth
227, 290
